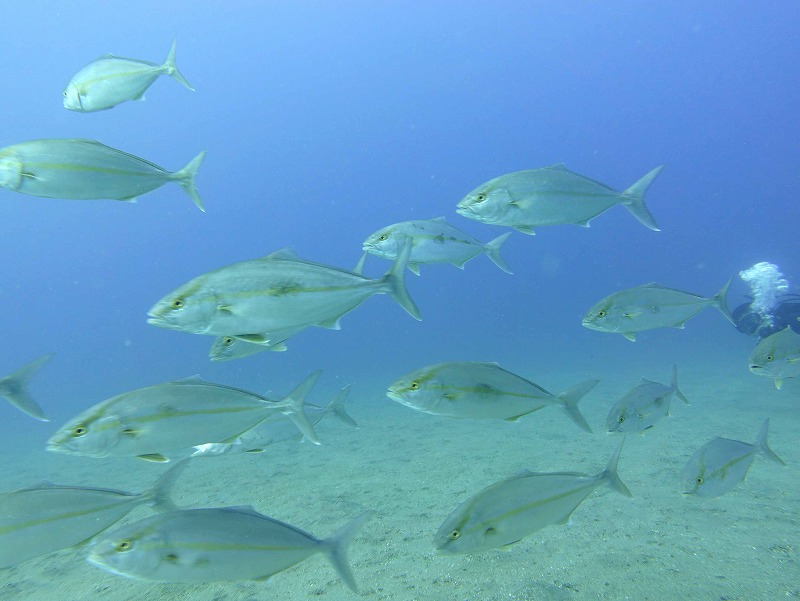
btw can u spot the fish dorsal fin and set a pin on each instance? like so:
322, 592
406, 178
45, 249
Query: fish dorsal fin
284, 254
195, 379
439, 219
244, 509
557, 167
106, 56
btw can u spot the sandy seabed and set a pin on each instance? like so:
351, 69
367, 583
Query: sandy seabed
412, 469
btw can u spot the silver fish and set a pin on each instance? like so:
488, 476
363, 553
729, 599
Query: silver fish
552, 195
47, 517
228, 348
14, 388
508, 511
482, 391
208, 545
278, 428
166, 421
649, 307
111, 80
777, 356
722, 464
87, 170
643, 405
253, 300
433, 241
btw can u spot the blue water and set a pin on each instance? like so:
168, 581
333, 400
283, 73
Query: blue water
325, 121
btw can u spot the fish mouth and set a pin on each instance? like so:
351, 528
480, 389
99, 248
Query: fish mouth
466, 210
395, 396
368, 247
755, 368
161, 322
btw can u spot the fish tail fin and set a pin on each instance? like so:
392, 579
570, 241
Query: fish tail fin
293, 406
492, 249
161, 493
633, 199
678, 392
720, 301
337, 548
763, 447
570, 399
610, 473
395, 282
171, 69
337, 408
14, 388
185, 177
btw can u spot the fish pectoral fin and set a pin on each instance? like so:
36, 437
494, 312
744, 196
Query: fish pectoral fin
254, 338
132, 432
794, 360
632, 314
255, 450
225, 309
154, 457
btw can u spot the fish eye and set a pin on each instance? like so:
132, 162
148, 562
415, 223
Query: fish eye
124, 545
177, 303
414, 386
699, 479
79, 430
228, 340
383, 237
455, 534
65, 93
602, 313
770, 357
621, 419
480, 197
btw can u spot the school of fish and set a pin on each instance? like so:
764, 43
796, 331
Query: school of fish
258, 304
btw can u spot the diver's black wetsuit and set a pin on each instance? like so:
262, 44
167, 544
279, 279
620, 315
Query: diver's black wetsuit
786, 313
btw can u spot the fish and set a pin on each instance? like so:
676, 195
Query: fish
80, 169
111, 80
165, 421
722, 464
213, 544
506, 512
278, 428
14, 388
482, 391
47, 517
643, 405
433, 241
253, 300
649, 307
552, 195
777, 356
227, 348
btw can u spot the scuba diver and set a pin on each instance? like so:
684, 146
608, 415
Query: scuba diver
770, 309
785, 313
